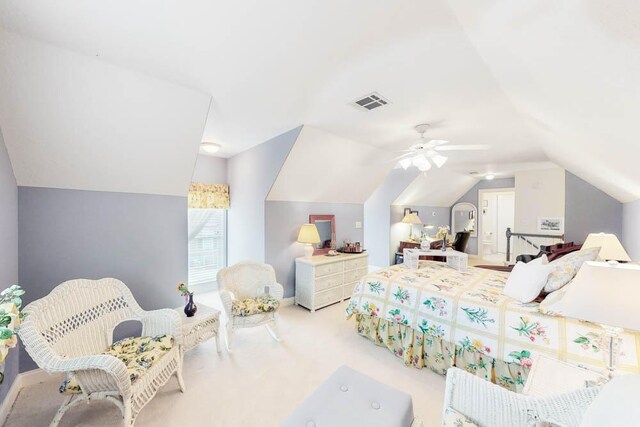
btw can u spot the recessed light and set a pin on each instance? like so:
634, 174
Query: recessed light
210, 147
489, 177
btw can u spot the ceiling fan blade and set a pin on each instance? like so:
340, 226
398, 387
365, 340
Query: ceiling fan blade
437, 142
462, 147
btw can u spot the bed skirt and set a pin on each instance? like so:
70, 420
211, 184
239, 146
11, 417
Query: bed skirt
422, 350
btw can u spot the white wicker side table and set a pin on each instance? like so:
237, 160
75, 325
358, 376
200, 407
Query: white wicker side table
203, 326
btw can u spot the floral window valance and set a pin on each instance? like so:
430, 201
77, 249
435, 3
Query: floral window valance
208, 196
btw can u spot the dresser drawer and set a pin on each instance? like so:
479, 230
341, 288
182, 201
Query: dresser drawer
328, 282
354, 275
327, 269
328, 297
353, 264
348, 289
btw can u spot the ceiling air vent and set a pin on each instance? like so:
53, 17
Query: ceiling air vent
371, 101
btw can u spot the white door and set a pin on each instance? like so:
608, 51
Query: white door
506, 210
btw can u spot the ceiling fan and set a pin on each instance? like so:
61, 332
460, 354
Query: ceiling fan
424, 152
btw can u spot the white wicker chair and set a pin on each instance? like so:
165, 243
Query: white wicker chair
67, 331
489, 405
248, 280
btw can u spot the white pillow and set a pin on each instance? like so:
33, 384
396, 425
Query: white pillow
527, 280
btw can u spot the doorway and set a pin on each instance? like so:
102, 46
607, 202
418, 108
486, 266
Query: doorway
497, 213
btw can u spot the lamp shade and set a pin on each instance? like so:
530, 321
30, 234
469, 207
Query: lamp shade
605, 294
308, 234
411, 218
611, 247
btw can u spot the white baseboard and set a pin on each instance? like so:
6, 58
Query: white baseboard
287, 301
22, 380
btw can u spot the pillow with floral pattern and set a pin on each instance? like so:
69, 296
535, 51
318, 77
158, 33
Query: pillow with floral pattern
563, 270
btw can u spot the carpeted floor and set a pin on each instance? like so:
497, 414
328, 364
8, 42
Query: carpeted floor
258, 384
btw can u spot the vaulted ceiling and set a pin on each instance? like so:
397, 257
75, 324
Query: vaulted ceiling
538, 81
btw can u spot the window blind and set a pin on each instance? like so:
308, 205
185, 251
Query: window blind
207, 245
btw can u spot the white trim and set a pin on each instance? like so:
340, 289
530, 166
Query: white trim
287, 301
22, 380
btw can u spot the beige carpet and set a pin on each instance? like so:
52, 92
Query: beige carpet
258, 384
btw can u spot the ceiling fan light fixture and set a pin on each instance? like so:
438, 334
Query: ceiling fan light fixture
405, 163
419, 160
439, 160
209, 147
425, 167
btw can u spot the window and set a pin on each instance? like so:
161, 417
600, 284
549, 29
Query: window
207, 246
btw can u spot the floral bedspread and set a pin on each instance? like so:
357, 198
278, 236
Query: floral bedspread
467, 308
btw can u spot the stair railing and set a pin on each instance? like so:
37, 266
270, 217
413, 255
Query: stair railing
525, 237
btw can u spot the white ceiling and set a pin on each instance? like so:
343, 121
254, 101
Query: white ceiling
323, 167
538, 81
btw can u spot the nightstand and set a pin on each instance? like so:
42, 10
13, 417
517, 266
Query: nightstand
551, 376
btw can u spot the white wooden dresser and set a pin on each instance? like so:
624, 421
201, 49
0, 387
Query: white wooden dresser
322, 280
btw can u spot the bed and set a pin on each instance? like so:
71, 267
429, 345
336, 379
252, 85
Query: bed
437, 317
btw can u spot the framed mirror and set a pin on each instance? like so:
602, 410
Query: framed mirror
464, 217
326, 225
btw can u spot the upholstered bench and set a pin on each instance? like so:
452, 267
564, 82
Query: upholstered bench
349, 398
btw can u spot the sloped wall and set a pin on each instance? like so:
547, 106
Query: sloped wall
377, 215
8, 250
589, 210
211, 170
631, 229
250, 175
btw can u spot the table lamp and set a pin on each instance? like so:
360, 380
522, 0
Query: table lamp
309, 236
411, 218
608, 295
612, 249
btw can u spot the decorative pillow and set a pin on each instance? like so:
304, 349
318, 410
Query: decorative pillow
565, 268
250, 306
137, 353
453, 418
551, 305
527, 280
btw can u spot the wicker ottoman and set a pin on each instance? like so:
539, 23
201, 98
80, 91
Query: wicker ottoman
202, 326
349, 398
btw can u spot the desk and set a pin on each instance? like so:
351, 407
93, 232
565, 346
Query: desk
455, 259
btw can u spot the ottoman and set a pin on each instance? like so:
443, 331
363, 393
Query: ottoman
350, 398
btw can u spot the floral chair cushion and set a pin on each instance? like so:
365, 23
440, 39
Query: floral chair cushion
137, 353
250, 306
453, 418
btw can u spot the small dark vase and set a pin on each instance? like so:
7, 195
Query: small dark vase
444, 244
191, 307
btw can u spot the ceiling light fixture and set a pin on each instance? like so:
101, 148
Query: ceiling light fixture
438, 159
209, 147
489, 177
419, 160
425, 167
405, 163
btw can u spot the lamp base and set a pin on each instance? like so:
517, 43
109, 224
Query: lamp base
308, 250
612, 340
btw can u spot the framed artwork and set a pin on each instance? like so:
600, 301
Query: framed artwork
407, 211
554, 225
415, 212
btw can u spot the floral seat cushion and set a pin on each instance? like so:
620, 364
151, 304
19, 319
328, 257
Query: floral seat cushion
250, 306
137, 353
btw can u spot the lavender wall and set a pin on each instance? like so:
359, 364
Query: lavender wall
8, 249
589, 210
68, 234
250, 175
212, 170
471, 196
377, 215
283, 220
631, 229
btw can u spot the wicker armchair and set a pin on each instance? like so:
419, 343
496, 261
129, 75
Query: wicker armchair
67, 331
248, 280
488, 405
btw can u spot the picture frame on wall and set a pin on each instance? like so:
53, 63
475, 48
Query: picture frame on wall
551, 225
407, 211
415, 212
